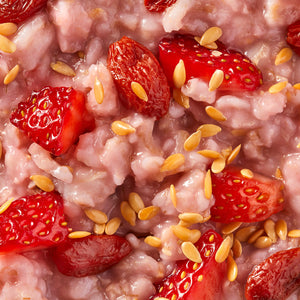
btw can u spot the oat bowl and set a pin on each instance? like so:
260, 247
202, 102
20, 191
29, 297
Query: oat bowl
149, 149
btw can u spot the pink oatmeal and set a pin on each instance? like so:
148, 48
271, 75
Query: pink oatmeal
149, 177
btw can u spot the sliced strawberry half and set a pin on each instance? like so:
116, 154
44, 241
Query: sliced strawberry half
276, 277
240, 74
243, 198
128, 62
53, 117
19, 10
158, 5
201, 281
293, 36
33, 222
90, 255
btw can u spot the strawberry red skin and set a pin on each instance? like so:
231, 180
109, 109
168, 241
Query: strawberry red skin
293, 36
53, 118
158, 5
242, 199
19, 10
130, 61
239, 73
276, 277
90, 255
213, 274
33, 222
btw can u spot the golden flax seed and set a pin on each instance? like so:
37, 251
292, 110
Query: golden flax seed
191, 252
216, 80
62, 68
296, 86
244, 233
231, 227
269, 227
232, 269
97, 216
122, 128
179, 74
284, 55
255, 235
173, 162
295, 233
281, 229
136, 202
234, 153
218, 165
153, 241
209, 153
99, 228
207, 185
247, 173
139, 91
78, 234
192, 142
236, 248
263, 242
191, 218
11, 75
98, 91
148, 212
7, 45
208, 130
112, 226
211, 35
224, 249
185, 234
181, 99
277, 87
215, 114
8, 28
43, 182
173, 195
6, 205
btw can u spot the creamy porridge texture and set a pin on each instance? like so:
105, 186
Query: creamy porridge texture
149, 149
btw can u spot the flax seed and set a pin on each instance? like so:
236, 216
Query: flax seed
43, 182
191, 218
179, 74
191, 252
153, 241
211, 35
232, 269
277, 87
255, 235
99, 228
207, 185
192, 141
218, 165
215, 114
122, 128
231, 227
181, 99
97, 216
98, 91
185, 234
234, 153
136, 202
209, 153
284, 55
8, 29
173, 162
6, 45
296, 86
173, 195
281, 229
6, 205
244, 233
78, 234
224, 249
247, 173
295, 233
208, 130
237, 248
112, 226
139, 91
62, 68
128, 213
263, 242
11, 75
269, 227
148, 213
216, 80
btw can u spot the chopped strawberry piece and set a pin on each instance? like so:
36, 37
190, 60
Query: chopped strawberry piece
201, 281
33, 222
90, 255
130, 62
158, 5
53, 118
244, 199
240, 74
19, 10
293, 36
276, 277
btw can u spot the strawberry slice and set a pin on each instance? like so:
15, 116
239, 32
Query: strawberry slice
19, 10
33, 222
276, 277
53, 118
158, 5
240, 73
130, 62
244, 199
189, 280
293, 36
90, 255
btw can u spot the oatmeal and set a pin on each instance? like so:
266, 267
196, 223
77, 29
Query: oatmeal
167, 130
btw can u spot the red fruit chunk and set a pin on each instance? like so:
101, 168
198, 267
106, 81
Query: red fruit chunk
53, 117
33, 222
158, 5
240, 73
19, 10
130, 62
293, 36
90, 255
276, 277
189, 280
244, 199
